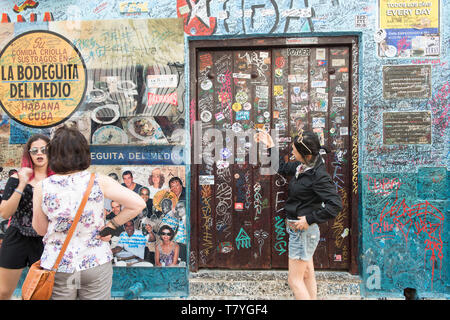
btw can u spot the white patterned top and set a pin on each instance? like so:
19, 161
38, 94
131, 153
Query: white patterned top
62, 195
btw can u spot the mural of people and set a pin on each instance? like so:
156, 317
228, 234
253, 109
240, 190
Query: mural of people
128, 181
162, 189
130, 249
176, 186
167, 251
156, 181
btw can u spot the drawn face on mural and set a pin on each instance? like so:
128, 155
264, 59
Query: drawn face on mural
129, 228
180, 209
128, 180
166, 234
156, 177
176, 188
166, 205
115, 207
144, 193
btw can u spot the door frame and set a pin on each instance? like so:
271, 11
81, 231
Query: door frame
268, 42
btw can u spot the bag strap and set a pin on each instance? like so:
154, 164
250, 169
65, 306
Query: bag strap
75, 222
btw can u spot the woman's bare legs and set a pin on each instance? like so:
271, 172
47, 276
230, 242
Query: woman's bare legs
8, 282
297, 269
310, 280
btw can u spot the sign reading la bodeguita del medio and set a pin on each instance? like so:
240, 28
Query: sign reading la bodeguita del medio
42, 79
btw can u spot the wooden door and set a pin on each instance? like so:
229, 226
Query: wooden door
237, 217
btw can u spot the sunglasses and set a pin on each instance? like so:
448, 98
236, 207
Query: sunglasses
166, 234
35, 150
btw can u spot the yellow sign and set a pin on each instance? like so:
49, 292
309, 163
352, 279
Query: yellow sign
42, 79
404, 14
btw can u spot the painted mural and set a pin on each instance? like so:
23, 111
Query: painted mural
126, 97
138, 242
402, 183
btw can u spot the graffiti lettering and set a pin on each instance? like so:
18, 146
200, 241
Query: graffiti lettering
383, 187
340, 220
257, 197
206, 196
423, 218
280, 242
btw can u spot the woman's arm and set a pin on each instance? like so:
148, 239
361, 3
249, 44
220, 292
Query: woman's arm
151, 235
284, 168
157, 262
131, 202
11, 198
40, 220
176, 255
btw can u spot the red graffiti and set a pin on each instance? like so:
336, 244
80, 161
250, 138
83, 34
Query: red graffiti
225, 95
192, 114
280, 62
205, 61
25, 5
382, 230
439, 106
170, 98
195, 16
48, 16
383, 187
422, 218
433, 62
403, 44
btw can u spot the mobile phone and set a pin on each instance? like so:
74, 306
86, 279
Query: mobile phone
106, 232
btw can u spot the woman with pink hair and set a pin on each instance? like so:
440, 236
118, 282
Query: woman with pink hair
22, 246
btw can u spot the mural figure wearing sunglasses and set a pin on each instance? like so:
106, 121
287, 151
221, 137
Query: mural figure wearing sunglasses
22, 246
167, 251
312, 199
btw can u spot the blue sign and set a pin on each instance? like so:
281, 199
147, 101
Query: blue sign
131, 155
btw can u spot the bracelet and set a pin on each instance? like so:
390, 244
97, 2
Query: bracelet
19, 192
114, 223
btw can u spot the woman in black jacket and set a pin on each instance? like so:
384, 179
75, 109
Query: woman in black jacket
312, 199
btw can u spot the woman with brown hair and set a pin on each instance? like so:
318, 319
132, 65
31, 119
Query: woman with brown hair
156, 181
22, 246
312, 200
87, 259
167, 251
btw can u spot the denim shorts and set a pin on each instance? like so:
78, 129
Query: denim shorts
303, 243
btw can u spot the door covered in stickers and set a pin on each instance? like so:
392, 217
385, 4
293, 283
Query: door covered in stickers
238, 208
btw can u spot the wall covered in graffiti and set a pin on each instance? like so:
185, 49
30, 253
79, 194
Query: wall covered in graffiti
400, 108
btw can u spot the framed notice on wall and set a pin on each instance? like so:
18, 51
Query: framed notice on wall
407, 82
408, 28
407, 127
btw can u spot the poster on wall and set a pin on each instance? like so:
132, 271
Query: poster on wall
135, 90
157, 237
121, 83
42, 79
408, 28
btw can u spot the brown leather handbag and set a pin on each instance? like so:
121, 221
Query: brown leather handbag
38, 284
